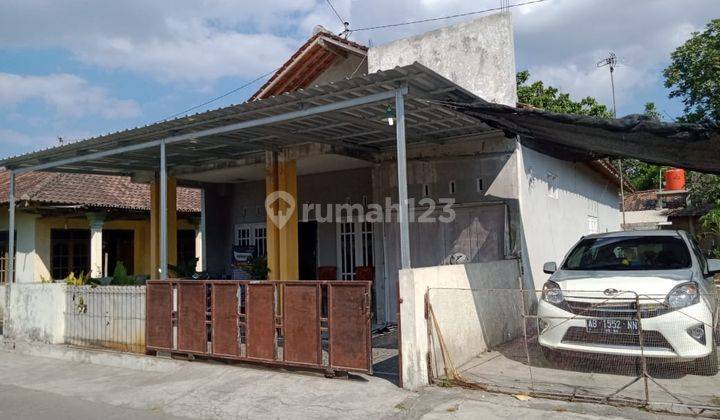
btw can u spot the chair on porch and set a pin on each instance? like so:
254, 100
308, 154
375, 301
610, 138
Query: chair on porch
327, 273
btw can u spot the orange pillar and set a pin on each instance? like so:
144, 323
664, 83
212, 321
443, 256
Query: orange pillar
289, 263
282, 217
273, 233
155, 226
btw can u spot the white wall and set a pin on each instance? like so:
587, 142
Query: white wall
478, 55
27, 258
552, 225
35, 312
470, 317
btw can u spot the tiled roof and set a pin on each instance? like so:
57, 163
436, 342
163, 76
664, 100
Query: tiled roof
311, 59
648, 200
90, 190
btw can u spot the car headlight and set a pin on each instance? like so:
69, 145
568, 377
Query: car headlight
552, 293
683, 295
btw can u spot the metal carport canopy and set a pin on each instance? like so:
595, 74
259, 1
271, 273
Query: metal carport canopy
347, 114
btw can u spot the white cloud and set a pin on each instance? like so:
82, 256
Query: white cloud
171, 40
67, 94
195, 60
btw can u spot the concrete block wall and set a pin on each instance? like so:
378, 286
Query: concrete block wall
34, 312
471, 317
55, 313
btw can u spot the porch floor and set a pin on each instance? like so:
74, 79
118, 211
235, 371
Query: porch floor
385, 355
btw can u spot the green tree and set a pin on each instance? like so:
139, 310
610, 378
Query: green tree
651, 111
551, 99
641, 175
694, 75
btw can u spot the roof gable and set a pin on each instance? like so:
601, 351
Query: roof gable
310, 61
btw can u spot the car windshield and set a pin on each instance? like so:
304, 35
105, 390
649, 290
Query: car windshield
629, 253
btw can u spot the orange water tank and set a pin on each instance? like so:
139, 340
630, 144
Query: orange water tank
675, 179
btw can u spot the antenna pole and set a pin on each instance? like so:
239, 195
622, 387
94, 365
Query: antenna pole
611, 62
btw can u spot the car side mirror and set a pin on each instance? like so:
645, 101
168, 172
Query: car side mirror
551, 267
713, 266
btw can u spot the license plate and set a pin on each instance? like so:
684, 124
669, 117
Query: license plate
612, 326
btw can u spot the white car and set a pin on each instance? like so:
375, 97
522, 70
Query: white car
612, 286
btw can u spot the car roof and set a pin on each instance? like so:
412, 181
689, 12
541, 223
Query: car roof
635, 233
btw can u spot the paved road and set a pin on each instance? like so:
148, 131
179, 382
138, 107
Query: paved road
29, 404
34, 387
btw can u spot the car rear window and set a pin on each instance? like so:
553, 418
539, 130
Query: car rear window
629, 253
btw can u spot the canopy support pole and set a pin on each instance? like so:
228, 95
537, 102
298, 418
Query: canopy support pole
403, 213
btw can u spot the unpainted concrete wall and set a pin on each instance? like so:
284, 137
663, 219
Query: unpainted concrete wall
478, 55
35, 312
470, 317
55, 313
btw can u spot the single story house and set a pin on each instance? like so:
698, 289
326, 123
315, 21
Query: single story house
341, 124
61, 216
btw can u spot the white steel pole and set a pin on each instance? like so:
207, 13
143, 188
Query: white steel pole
403, 213
11, 230
163, 214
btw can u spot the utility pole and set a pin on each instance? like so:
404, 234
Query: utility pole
611, 62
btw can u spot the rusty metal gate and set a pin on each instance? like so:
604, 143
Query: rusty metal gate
310, 324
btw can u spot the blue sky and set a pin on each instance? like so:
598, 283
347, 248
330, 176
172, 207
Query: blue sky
76, 69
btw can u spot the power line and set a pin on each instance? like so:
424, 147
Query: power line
217, 98
494, 9
342, 21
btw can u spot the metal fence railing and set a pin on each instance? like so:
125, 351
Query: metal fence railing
616, 347
110, 317
4, 269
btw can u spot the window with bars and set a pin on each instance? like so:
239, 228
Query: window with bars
252, 234
355, 247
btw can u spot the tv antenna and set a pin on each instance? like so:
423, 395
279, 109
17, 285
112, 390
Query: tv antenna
611, 62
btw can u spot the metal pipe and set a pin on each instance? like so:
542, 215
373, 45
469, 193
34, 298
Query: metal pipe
403, 213
203, 231
163, 213
349, 103
11, 230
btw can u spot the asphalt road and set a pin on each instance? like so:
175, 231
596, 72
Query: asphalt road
29, 404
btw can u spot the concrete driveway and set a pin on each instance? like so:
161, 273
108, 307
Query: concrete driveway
152, 388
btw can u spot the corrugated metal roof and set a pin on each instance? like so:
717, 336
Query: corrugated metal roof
361, 127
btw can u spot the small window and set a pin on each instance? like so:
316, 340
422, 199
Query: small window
479, 184
426, 190
452, 187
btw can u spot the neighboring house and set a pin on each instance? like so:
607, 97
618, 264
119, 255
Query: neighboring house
667, 209
512, 199
59, 214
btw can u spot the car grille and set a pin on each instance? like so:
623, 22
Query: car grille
616, 310
650, 338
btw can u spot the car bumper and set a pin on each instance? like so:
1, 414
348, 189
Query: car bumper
665, 336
